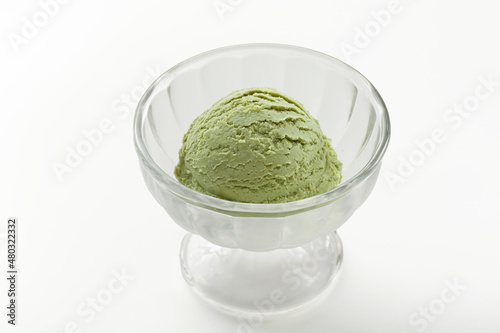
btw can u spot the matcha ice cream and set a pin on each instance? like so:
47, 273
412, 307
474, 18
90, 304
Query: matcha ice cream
257, 145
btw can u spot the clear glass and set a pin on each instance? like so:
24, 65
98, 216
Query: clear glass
255, 258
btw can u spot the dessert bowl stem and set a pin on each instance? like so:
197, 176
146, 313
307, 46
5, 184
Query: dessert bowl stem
268, 283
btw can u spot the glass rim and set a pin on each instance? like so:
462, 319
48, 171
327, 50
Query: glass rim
234, 207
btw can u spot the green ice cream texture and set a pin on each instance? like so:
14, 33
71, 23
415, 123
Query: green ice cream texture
257, 145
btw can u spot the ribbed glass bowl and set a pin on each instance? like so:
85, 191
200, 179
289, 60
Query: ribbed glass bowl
350, 112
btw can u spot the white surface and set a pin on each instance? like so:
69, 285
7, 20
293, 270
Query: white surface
402, 248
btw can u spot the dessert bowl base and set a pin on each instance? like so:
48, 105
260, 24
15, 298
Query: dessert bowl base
241, 282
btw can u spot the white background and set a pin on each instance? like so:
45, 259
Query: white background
437, 224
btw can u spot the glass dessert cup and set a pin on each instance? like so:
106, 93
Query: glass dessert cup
262, 258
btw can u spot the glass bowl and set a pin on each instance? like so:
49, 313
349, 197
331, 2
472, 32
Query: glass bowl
262, 258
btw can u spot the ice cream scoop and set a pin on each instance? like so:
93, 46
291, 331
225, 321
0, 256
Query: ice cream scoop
257, 145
